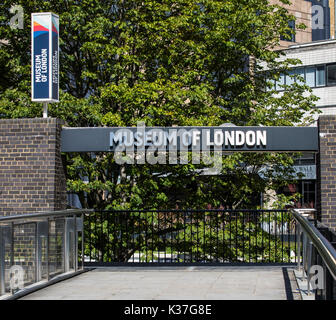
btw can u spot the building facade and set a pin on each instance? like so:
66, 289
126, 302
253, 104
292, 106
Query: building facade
317, 15
318, 69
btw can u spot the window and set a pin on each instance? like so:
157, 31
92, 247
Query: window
290, 34
300, 72
331, 70
271, 86
290, 77
280, 82
320, 76
307, 191
310, 76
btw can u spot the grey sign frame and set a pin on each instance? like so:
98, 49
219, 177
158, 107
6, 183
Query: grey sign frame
279, 139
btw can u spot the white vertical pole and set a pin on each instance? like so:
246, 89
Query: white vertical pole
45, 109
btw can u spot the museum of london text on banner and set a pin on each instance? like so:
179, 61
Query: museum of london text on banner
45, 57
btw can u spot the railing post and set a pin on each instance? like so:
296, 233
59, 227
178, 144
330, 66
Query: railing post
2, 262
75, 247
82, 241
12, 245
66, 252
328, 288
299, 246
309, 249
48, 248
304, 247
37, 253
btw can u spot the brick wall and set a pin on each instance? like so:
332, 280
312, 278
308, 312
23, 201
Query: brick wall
326, 171
32, 176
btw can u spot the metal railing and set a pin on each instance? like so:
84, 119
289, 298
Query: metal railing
37, 247
40, 247
190, 237
316, 255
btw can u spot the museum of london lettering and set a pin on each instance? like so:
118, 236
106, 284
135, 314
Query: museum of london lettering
193, 138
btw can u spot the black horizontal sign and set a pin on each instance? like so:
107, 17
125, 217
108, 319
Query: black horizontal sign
255, 139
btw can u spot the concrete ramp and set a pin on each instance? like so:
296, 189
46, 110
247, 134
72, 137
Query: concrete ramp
175, 283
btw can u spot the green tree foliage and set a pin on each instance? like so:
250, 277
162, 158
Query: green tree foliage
170, 62
165, 63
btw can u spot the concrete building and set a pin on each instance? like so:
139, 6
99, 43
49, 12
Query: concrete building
318, 68
315, 47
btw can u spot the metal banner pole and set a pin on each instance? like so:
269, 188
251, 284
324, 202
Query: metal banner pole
45, 109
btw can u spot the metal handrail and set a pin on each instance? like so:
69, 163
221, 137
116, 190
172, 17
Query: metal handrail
192, 210
44, 214
322, 245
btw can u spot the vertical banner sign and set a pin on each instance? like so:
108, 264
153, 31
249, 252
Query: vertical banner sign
45, 57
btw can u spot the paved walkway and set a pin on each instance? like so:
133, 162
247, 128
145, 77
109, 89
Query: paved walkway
175, 283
